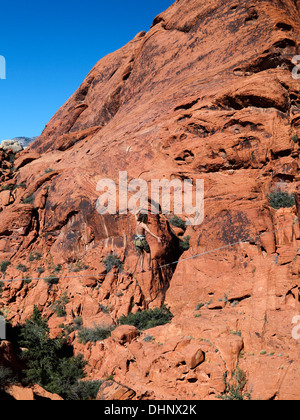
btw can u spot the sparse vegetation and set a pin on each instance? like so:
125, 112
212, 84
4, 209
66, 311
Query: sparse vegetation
34, 256
148, 338
78, 266
7, 377
178, 222
147, 319
295, 138
22, 268
20, 186
77, 323
51, 365
59, 306
57, 268
234, 388
40, 270
199, 306
112, 261
7, 187
93, 335
4, 265
281, 199
29, 199
52, 280
185, 243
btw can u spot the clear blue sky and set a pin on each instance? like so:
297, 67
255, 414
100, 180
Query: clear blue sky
50, 47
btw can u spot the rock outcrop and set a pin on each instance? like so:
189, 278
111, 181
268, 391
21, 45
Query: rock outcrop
206, 94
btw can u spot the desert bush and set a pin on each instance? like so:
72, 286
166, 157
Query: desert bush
147, 319
29, 199
78, 266
281, 199
7, 377
46, 361
112, 261
52, 280
35, 256
178, 222
77, 322
4, 265
234, 388
85, 390
184, 243
86, 335
22, 267
59, 306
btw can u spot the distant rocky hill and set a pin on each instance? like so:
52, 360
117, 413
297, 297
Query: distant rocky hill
25, 141
17, 142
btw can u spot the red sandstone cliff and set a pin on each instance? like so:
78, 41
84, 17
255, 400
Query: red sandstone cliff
207, 94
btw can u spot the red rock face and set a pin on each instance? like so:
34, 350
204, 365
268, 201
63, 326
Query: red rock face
206, 94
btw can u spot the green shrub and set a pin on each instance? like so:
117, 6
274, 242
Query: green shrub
40, 270
29, 199
184, 244
112, 261
7, 377
281, 199
295, 138
6, 187
22, 267
147, 319
35, 256
234, 388
4, 265
52, 280
46, 360
85, 390
57, 268
78, 266
59, 306
20, 186
178, 222
93, 335
77, 322
1, 286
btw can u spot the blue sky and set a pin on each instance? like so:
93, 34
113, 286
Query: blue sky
50, 47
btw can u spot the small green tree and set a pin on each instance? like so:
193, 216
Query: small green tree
46, 362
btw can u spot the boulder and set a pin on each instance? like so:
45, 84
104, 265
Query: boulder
112, 390
125, 333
